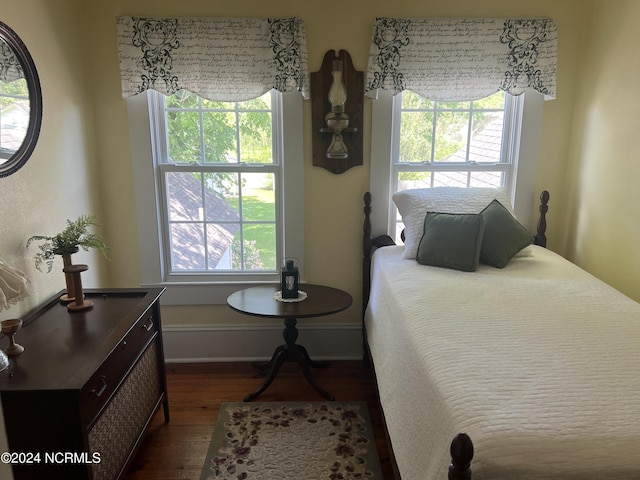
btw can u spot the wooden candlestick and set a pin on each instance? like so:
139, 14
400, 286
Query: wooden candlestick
10, 328
79, 302
68, 277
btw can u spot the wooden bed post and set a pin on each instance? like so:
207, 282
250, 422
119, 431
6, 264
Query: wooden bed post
540, 238
369, 243
367, 246
461, 456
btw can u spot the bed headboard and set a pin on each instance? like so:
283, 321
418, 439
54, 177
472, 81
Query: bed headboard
540, 237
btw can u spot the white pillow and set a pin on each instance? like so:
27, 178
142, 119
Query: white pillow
413, 206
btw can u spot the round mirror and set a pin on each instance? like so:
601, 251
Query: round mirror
20, 102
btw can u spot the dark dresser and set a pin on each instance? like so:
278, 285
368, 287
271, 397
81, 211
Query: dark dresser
77, 402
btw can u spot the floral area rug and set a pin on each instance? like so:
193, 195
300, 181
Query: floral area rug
292, 440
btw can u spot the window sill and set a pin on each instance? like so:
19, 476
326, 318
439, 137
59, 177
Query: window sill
201, 293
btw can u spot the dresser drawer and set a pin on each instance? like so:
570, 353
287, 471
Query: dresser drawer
105, 381
117, 429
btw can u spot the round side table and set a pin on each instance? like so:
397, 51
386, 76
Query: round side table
260, 302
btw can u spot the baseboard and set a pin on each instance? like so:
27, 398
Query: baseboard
223, 343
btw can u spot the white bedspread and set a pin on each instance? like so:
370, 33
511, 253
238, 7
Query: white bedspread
538, 362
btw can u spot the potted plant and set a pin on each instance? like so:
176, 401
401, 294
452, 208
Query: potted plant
75, 236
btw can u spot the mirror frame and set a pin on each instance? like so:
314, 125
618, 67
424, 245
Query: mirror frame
20, 157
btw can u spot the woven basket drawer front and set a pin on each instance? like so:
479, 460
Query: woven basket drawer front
102, 385
116, 431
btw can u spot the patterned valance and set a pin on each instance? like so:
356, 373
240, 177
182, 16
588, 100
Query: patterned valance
10, 67
222, 59
463, 59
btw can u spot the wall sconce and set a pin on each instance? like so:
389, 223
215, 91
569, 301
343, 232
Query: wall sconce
337, 92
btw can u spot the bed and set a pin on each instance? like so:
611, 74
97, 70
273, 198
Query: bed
537, 361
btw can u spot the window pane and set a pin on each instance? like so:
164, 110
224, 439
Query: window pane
254, 250
258, 197
222, 197
408, 180
451, 136
219, 132
416, 135
184, 191
220, 238
255, 137
187, 246
486, 137
259, 247
450, 179
183, 131
487, 179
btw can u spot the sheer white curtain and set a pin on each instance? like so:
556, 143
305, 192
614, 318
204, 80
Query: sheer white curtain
463, 59
222, 59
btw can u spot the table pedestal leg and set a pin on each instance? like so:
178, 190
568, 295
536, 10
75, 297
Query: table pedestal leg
290, 352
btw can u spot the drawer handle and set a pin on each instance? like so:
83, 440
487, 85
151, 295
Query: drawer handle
98, 393
148, 326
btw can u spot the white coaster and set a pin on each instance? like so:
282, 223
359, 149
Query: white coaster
278, 296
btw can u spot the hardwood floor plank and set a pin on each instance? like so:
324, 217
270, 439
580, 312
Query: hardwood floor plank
177, 450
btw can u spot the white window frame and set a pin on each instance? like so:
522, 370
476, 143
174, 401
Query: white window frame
146, 151
522, 147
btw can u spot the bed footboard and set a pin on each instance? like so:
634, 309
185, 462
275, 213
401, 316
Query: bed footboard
461, 456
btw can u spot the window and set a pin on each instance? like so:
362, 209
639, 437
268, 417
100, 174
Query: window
453, 144
218, 171
221, 179
419, 143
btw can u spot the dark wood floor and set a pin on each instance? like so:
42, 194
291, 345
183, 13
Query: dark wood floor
177, 450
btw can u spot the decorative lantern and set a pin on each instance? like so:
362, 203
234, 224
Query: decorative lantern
290, 278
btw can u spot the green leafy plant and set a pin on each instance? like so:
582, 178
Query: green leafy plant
67, 242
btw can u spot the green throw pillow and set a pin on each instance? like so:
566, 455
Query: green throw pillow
451, 241
503, 237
